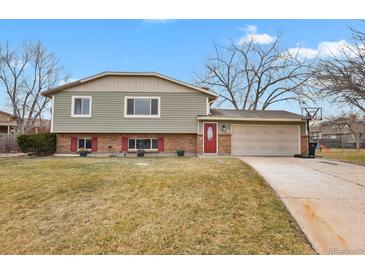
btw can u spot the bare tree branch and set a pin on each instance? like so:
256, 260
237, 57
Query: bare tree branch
24, 74
254, 76
342, 76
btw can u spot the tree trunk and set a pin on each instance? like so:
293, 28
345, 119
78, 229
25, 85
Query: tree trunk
358, 140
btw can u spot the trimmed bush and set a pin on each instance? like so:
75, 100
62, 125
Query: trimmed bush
41, 144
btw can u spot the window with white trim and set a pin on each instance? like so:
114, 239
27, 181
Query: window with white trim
142, 143
81, 106
84, 143
144, 107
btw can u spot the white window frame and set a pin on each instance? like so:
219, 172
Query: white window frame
85, 138
135, 144
73, 106
138, 115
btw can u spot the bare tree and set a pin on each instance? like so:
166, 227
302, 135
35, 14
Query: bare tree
353, 123
250, 76
24, 74
341, 76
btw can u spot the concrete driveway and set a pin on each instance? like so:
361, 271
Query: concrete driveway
327, 198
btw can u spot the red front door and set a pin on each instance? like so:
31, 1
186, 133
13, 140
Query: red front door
210, 137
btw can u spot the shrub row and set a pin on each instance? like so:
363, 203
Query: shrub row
41, 144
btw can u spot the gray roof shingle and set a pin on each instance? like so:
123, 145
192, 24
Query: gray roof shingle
252, 114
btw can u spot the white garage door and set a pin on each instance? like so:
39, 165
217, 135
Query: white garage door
265, 140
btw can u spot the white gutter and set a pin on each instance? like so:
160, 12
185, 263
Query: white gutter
215, 118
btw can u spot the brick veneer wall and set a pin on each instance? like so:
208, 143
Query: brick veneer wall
224, 144
171, 141
199, 144
192, 143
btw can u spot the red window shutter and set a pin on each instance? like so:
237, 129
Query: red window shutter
124, 143
73, 143
94, 144
161, 145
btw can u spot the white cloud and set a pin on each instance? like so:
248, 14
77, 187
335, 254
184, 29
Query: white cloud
252, 36
323, 49
333, 48
250, 28
158, 21
262, 38
305, 52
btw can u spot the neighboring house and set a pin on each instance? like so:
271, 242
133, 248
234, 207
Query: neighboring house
8, 124
336, 134
123, 112
40, 126
8, 127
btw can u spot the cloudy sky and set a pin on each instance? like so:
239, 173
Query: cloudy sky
173, 47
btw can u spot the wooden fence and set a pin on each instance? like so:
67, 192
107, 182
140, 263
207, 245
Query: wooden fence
8, 143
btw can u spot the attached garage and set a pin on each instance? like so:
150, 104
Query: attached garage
252, 133
265, 140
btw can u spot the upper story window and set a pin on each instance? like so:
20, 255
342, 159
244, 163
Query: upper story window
142, 107
81, 106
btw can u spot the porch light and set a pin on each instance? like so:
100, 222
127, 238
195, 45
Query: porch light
224, 128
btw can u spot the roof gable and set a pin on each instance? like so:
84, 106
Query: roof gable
122, 80
5, 115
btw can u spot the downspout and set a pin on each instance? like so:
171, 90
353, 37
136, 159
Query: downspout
308, 136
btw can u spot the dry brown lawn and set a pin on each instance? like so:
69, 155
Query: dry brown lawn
141, 206
352, 156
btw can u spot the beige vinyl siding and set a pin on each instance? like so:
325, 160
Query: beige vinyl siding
179, 110
132, 84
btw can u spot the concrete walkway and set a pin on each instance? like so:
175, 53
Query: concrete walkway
327, 198
9, 155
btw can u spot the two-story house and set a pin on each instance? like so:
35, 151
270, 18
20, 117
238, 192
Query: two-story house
123, 112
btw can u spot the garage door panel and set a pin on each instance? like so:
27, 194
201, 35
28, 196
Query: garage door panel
270, 140
266, 145
261, 138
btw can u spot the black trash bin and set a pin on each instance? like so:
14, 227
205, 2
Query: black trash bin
312, 149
